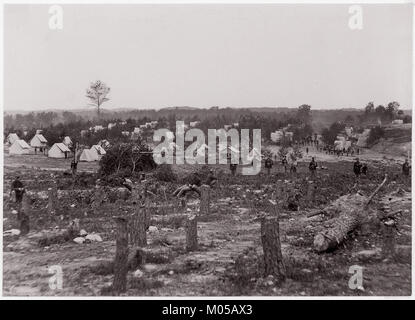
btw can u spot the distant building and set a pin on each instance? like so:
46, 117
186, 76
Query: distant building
276, 136
194, 123
397, 121
98, 128
111, 125
19, 147
349, 131
289, 135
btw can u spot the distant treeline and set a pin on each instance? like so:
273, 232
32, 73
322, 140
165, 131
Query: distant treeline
304, 121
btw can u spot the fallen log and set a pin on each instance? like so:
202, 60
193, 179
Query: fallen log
350, 209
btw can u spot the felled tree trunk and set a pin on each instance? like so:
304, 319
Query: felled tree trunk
331, 238
121, 256
350, 210
270, 237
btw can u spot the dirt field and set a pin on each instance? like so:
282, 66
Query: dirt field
230, 249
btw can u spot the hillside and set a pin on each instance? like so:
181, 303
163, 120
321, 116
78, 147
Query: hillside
397, 140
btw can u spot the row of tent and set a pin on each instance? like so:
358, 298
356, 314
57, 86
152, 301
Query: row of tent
58, 150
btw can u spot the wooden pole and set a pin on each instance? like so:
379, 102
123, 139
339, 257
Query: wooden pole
273, 261
204, 199
121, 256
191, 233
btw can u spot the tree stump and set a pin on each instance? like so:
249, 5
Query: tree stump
98, 198
191, 233
52, 199
273, 261
389, 239
204, 199
121, 256
138, 227
135, 194
24, 215
311, 192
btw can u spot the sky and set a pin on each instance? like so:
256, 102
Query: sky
156, 56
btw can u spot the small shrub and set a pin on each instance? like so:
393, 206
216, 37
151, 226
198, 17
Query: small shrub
165, 173
375, 135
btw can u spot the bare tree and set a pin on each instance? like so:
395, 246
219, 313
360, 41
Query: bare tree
97, 93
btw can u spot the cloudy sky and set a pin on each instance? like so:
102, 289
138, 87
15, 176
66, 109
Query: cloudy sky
208, 55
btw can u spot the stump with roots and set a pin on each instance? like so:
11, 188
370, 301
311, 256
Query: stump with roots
204, 199
121, 256
138, 226
191, 233
273, 260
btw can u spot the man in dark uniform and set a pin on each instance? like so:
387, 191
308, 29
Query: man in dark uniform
18, 188
268, 164
233, 166
364, 169
284, 163
312, 167
357, 167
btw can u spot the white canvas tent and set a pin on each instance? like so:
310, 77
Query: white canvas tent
100, 151
12, 137
88, 155
67, 141
19, 147
38, 141
59, 150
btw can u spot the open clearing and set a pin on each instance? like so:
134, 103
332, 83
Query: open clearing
229, 232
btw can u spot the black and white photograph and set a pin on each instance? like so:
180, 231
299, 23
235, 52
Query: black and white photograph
207, 150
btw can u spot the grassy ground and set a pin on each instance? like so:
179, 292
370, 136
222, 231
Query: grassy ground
228, 261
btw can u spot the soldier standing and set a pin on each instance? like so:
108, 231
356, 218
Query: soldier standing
312, 167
